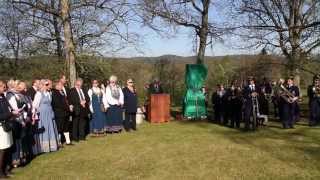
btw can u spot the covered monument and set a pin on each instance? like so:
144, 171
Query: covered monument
194, 100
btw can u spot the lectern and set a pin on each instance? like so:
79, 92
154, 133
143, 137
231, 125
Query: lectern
159, 108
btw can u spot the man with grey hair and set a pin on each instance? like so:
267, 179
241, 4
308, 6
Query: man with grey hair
79, 103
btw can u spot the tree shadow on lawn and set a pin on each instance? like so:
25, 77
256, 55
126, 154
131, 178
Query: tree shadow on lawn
266, 140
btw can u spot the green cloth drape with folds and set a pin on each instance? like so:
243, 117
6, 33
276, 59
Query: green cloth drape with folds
194, 100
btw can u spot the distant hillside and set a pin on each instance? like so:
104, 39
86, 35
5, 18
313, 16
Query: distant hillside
169, 69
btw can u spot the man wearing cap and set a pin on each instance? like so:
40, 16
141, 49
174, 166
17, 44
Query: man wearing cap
249, 92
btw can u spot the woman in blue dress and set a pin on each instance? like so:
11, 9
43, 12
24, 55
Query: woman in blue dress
42, 105
97, 108
114, 100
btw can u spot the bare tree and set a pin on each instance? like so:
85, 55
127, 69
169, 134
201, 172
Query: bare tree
14, 30
289, 26
112, 12
192, 14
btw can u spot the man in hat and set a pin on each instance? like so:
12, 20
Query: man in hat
314, 101
250, 92
290, 105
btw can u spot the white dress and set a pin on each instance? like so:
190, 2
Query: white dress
5, 139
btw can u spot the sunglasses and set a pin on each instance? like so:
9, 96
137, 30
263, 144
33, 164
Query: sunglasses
131, 82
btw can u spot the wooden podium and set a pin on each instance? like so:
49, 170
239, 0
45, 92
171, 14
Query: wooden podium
159, 108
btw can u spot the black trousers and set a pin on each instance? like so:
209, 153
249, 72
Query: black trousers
220, 115
62, 124
78, 128
130, 121
235, 116
288, 115
314, 112
248, 113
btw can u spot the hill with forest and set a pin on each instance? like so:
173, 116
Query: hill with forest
170, 69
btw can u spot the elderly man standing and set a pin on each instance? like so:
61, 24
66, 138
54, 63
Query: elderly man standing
79, 106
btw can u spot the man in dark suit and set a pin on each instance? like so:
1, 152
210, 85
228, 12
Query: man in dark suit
60, 107
250, 93
219, 102
234, 105
155, 87
79, 100
31, 92
63, 80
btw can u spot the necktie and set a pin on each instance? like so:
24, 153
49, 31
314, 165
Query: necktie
81, 95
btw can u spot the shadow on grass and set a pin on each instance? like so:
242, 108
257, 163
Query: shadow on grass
303, 141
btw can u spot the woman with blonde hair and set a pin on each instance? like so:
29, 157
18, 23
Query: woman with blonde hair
15, 99
130, 105
97, 108
42, 106
114, 100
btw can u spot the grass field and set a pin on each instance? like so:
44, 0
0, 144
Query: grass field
186, 150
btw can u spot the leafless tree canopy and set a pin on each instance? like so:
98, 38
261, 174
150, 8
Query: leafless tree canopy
291, 26
192, 14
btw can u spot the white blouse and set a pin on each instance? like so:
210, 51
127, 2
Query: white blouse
109, 100
13, 102
37, 99
96, 90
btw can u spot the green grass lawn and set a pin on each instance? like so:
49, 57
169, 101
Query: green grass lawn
186, 150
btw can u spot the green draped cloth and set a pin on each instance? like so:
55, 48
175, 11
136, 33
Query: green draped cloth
194, 100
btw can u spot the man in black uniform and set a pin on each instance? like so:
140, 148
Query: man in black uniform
250, 95
290, 105
234, 105
314, 101
219, 102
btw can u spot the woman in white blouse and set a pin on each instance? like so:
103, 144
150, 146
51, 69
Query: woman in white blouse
97, 108
114, 100
42, 107
15, 100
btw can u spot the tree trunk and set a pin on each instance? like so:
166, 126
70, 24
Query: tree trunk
57, 31
68, 41
203, 32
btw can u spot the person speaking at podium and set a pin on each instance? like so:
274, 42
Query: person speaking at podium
155, 87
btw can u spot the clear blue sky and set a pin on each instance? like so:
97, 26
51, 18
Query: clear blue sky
182, 44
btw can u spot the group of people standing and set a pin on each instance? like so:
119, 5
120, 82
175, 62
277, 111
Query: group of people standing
251, 103
49, 115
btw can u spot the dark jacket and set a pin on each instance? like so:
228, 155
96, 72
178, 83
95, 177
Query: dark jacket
247, 94
5, 113
130, 100
294, 90
74, 100
155, 89
31, 92
219, 102
59, 104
